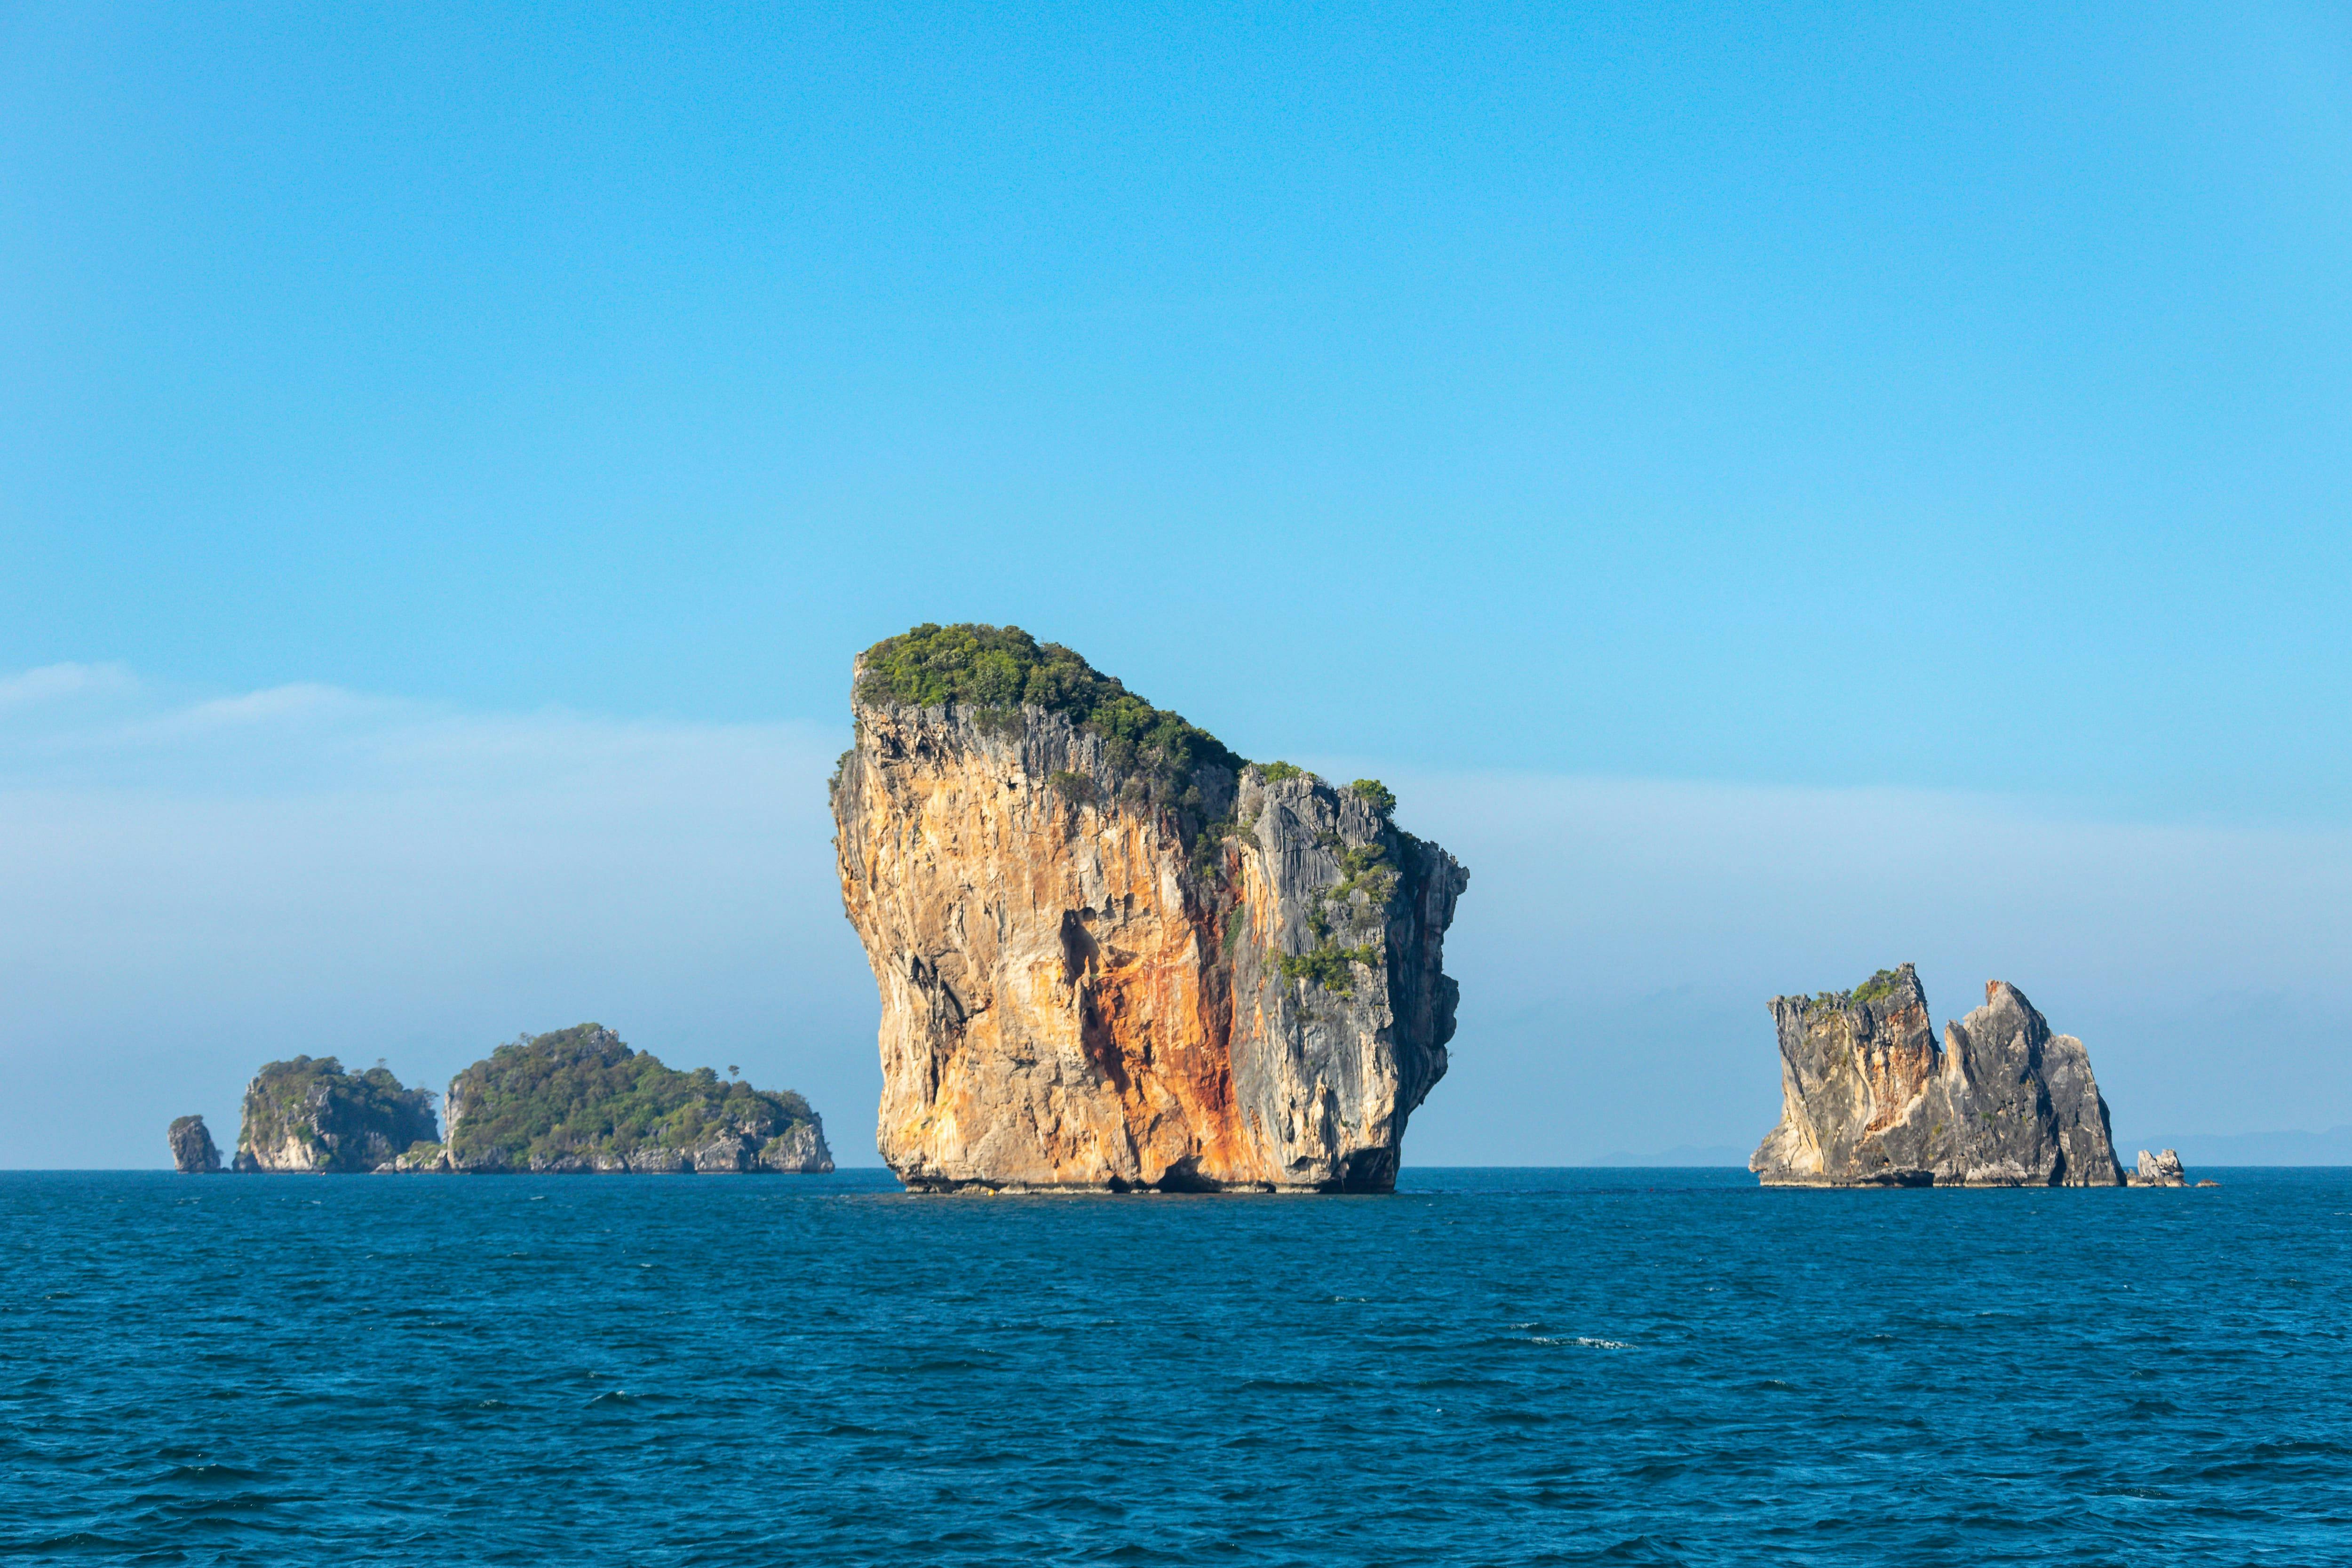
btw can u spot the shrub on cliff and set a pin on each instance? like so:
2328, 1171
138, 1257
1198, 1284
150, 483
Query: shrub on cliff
996, 670
1878, 987
582, 1092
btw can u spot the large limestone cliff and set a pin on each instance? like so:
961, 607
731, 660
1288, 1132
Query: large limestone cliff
1113, 955
1868, 1099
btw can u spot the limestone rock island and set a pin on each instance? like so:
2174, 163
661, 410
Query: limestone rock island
310, 1115
1869, 1100
580, 1100
1114, 956
194, 1152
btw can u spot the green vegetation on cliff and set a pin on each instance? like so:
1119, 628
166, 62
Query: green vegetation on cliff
990, 674
1330, 965
579, 1094
347, 1121
1878, 988
1364, 870
998, 669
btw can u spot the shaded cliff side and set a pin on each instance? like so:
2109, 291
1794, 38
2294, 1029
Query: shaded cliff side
1869, 1099
194, 1152
1113, 954
580, 1100
310, 1115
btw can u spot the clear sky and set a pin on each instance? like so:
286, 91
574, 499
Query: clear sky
1781, 489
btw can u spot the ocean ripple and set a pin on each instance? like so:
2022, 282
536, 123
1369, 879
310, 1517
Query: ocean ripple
1493, 1367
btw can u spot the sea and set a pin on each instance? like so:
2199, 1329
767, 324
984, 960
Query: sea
1489, 1366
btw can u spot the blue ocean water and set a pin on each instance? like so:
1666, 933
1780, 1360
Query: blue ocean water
1490, 1367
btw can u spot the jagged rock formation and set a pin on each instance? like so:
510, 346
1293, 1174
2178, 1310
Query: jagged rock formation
310, 1115
580, 1100
1868, 1099
1111, 953
192, 1150
2161, 1170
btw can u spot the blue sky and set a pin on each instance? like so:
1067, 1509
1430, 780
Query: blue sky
1669, 424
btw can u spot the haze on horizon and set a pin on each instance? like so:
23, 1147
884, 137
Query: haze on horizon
1776, 495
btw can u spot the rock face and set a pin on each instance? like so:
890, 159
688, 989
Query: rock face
310, 1115
580, 1101
1114, 956
2162, 1170
193, 1153
1869, 1100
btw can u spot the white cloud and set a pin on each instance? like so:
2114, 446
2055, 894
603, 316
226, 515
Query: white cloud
303, 700
54, 682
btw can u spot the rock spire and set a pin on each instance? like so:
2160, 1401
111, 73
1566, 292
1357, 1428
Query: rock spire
194, 1152
1868, 1099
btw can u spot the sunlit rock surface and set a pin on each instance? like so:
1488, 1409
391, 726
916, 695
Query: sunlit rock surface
1111, 953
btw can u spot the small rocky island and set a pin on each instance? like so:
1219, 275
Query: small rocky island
1112, 954
578, 1099
1869, 1100
193, 1153
310, 1115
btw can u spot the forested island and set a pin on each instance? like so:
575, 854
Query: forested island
582, 1101
573, 1100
